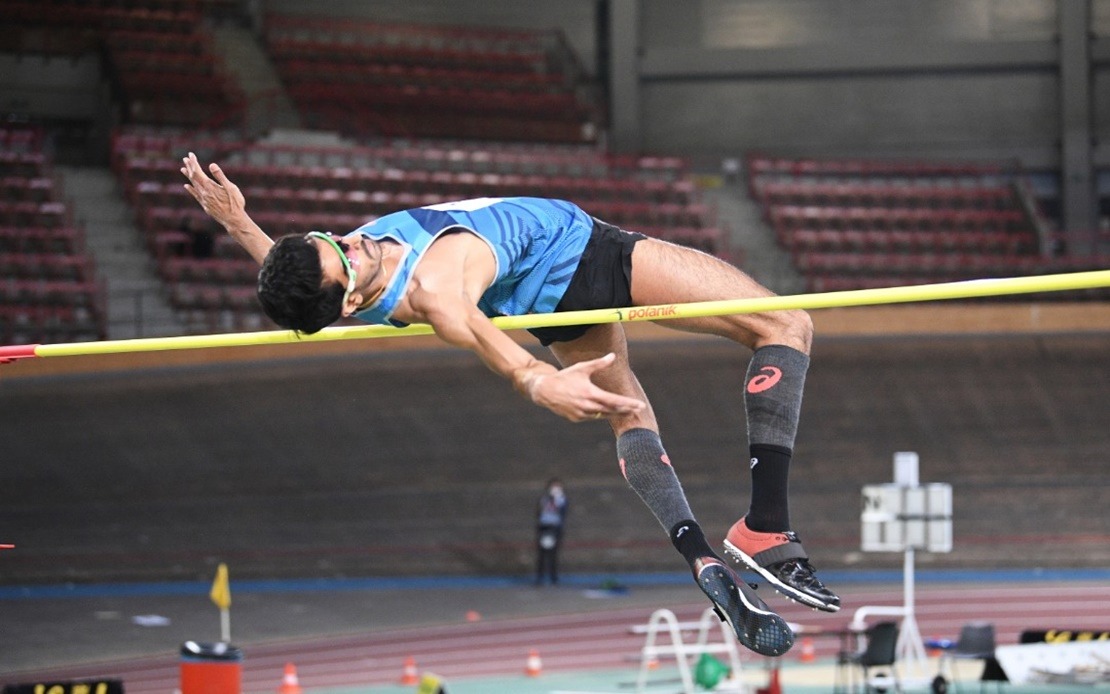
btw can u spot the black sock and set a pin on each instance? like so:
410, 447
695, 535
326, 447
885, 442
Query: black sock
770, 505
689, 540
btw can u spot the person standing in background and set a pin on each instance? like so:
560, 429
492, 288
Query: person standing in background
550, 516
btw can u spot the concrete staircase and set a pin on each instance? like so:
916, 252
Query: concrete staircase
742, 220
137, 305
268, 105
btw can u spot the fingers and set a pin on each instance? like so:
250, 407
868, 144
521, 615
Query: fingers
607, 403
191, 166
603, 409
192, 171
195, 172
221, 177
598, 403
592, 365
589, 401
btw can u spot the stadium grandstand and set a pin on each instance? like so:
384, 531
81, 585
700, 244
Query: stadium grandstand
374, 498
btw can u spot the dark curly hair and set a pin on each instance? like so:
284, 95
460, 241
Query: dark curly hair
290, 291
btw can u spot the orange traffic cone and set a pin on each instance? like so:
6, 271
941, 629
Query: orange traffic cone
773, 687
289, 682
409, 675
807, 654
533, 666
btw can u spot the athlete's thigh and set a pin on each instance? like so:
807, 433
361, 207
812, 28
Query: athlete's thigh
618, 377
666, 273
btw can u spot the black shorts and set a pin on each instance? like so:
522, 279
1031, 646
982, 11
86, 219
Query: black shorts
603, 280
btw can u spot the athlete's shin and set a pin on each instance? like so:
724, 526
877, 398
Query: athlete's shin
773, 402
648, 470
773, 395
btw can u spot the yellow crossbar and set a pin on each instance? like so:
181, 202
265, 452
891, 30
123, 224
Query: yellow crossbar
860, 297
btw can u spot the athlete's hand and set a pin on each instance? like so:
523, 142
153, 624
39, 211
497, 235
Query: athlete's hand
571, 394
220, 198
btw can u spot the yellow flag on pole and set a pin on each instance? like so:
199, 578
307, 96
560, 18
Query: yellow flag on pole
221, 591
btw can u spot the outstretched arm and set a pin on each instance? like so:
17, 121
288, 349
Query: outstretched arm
223, 202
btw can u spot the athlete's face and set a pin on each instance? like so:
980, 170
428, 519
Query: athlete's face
352, 261
349, 275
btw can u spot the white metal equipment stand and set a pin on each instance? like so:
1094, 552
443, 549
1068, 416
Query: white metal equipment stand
904, 517
663, 622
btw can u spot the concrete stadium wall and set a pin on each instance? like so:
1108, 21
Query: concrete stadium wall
417, 461
873, 76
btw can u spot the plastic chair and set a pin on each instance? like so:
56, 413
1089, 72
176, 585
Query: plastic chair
879, 651
976, 642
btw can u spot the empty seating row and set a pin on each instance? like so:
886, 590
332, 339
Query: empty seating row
156, 221
351, 170
278, 217
45, 324
948, 265
60, 240
23, 164
144, 84
898, 240
842, 282
166, 243
425, 99
22, 189
51, 292
186, 66
416, 122
48, 215
380, 188
285, 50
206, 296
790, 217
129, 148
239, 270
78, 14
47, 266
432, 39
194, 43
175, 109
188, 6
886, 195
370, 75
760, 165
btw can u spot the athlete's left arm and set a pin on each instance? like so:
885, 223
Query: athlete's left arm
454, 273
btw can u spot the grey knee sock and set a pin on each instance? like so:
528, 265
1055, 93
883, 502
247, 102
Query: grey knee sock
645, 465
773, 395
773, 399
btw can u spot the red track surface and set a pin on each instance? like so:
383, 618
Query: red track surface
601, 639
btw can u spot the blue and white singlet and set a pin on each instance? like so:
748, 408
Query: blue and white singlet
537, 243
